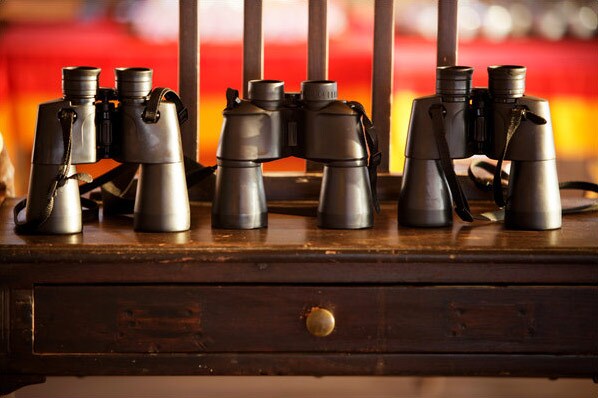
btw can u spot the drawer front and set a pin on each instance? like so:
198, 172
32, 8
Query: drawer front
367, 319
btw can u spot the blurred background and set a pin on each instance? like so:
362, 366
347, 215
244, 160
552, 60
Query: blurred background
555, 39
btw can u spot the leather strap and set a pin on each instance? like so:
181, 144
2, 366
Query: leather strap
518, 114
374, 155
232, 98
482, 183
151, 113
67, 117
437, 112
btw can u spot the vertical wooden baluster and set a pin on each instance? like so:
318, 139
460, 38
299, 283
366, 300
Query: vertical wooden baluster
253, 43
317, 41
447, 33
189, 74
382, 75
317, 52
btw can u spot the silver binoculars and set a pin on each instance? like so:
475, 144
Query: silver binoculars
499, 122
271, 124
131, 124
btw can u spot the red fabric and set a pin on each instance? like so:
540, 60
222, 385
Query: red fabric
31, 57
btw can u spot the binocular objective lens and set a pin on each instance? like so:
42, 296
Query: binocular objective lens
133, 82
506, 81
453, 81
80, 81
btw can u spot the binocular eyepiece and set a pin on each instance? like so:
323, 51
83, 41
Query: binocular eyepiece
99, 129
499, 122
453, 81
504, 81
80, 82
134, 83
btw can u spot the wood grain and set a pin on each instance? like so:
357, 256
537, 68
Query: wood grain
448, 33
334, 364
293, 250
382, 76
189, 74
253, 43
196, 319
317, 53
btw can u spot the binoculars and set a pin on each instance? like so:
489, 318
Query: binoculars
271, 124
131, 124
499, 122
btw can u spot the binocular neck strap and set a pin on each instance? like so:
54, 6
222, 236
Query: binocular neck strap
437, 112
151, 114
67, 117
374, 155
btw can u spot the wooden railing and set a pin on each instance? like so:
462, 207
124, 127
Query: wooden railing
317, 69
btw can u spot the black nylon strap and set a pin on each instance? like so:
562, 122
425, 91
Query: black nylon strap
232, 98
461, 206
125, 173
568, 185
374, 155
484, 184
151, 113
583, 186
109, 176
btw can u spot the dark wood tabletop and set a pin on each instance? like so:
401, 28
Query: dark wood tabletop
292, 248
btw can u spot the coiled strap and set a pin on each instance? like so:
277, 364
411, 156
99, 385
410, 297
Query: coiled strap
67, 117
374, 155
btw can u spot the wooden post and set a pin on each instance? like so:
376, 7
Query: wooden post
382, 77
317, 41
253, 43
317, 52
189, 74
448, 33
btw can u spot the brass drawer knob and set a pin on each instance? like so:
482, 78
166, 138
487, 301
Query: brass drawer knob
320, 322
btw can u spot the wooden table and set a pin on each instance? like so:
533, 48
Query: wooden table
467, 300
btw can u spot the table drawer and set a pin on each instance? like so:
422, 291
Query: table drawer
368, 319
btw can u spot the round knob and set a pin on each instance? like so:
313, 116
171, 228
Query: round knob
320, 322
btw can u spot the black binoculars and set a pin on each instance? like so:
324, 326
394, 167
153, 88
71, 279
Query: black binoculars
131, 124
271, 124
499, 122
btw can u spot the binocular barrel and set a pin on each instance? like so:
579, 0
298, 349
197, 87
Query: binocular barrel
453, 81
161, 202
477, 122
134, 83
506, 81
271, 124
